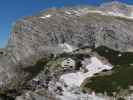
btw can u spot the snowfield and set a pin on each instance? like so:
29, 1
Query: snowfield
74, 80
81, 12
106, 13
112, 13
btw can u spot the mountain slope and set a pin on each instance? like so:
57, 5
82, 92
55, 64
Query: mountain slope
35, 40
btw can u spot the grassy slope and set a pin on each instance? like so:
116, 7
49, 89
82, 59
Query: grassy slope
121, 77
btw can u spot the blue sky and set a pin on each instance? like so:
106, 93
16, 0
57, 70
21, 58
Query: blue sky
11, 10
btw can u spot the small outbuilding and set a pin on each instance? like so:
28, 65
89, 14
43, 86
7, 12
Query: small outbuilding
68, 63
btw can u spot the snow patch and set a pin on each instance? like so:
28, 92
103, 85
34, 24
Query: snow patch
95, 11
73, 79
112, 13
115, 13
67, 12
85, 11
81, 96
80, 12
76, 79
119, 55
131, 64
46, 16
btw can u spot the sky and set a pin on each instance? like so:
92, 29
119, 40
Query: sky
12, 10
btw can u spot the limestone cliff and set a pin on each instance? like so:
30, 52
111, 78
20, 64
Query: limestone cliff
55, 31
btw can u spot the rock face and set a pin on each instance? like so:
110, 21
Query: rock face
56, 31
38, 36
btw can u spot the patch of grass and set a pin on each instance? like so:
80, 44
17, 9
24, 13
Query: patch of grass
37, 68
112, 56
121, 77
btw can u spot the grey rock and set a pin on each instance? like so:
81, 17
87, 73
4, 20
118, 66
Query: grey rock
35, 96
36, 37
118, 7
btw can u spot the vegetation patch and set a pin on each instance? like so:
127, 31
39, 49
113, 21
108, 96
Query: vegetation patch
120, 78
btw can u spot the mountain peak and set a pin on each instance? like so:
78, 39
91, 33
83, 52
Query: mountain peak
112, 3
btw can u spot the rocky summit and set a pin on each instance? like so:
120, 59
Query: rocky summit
70, 53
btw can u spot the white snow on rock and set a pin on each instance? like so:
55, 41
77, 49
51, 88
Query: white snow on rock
107, 13
131, 64
67, 12
111, 13
115, 13
119, 55
81, 12
73, 79
81, 96
76, 79
95, 11
46, 16
97, 66
84, 11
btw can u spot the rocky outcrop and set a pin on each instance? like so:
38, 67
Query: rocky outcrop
36, 39
38, 36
